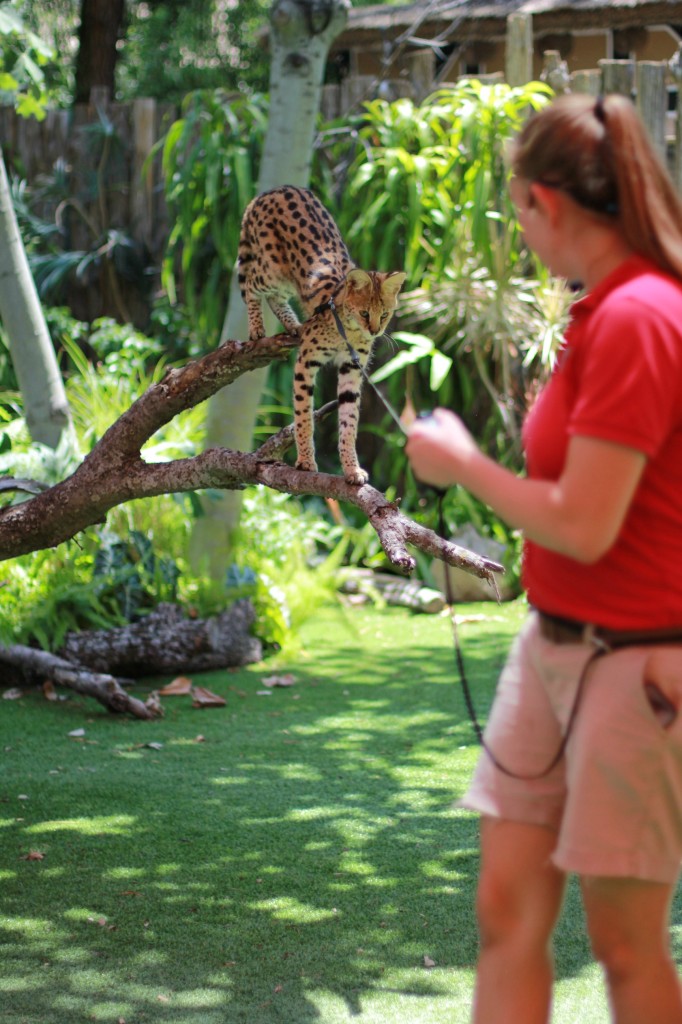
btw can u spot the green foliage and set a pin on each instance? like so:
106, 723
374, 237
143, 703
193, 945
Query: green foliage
113, 574
116, 574
500, 336
9, 386
33, 461
430, 180
292, 555
424, 189
23, 57
103, 581
169, 48
210, 162
49, 210
177, 46
56, 23
286, 560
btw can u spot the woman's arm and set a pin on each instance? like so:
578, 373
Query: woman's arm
579, 515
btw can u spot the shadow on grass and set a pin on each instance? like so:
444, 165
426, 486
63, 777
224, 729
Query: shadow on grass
291, 858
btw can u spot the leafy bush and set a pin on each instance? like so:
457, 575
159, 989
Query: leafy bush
101, 582
424, 188
210, 159
115, 574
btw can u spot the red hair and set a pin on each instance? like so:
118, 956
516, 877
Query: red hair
599, 152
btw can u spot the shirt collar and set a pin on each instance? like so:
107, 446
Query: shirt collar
625, 271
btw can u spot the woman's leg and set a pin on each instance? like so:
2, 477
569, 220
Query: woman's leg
520, 894
628, 924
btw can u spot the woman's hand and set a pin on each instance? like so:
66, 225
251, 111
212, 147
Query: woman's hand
440, 448
578, 515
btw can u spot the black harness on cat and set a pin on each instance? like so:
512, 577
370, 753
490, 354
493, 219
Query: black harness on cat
355, 360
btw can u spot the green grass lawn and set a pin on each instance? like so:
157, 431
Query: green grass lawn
291, 857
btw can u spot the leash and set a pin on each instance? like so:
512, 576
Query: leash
466, 687
355, 360
450, 598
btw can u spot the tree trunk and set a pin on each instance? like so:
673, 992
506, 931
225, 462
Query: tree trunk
301, 32
100, 27
33, 357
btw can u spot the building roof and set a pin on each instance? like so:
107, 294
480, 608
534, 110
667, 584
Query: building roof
469, 19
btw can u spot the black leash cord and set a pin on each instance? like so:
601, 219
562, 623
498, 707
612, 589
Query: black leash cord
449, 596
466, 688
355, 360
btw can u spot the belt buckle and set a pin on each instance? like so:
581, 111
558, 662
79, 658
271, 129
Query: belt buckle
592, 637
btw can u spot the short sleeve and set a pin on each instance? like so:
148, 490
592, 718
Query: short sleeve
629, 388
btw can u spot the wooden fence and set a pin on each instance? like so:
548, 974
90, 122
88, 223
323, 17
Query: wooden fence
652, 85
96, 155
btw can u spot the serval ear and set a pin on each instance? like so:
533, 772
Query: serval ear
357, 280
392, 283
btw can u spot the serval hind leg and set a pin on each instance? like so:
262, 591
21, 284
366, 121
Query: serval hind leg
305, 372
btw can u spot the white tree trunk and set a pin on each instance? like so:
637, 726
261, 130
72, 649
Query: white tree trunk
45, 404
301, 32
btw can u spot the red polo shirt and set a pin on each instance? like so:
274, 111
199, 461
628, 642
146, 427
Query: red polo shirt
618, 377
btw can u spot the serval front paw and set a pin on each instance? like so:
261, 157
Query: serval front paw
356, 476
307, 465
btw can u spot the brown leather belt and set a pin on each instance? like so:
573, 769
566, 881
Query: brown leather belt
568, 631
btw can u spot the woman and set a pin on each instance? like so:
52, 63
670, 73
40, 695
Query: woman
583, 764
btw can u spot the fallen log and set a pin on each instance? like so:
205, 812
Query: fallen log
167, 641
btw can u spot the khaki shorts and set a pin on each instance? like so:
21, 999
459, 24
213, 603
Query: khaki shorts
615, 798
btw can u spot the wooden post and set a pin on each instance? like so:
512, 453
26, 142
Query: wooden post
330, 103
55, 136
588, 82
652, 100
555, 71
675, 67
29, 147
100, 97
618, 76
422, 73
519, 62
355, 89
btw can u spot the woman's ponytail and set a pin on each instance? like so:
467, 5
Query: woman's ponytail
598, 152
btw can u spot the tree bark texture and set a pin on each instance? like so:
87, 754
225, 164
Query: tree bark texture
114, 472
96, 663
42, 666
166, 641
100, 28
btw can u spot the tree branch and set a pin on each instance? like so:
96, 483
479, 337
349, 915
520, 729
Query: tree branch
114, 471
103, 687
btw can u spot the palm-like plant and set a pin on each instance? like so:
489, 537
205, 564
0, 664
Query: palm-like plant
210, 163
431, 184
430, 180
